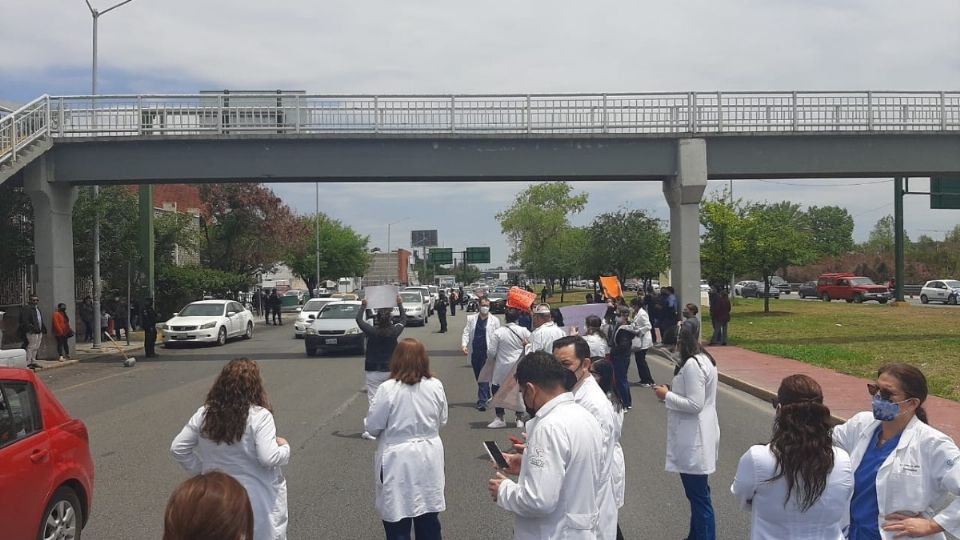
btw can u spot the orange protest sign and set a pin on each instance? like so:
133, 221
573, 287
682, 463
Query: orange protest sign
520, 299
611, 286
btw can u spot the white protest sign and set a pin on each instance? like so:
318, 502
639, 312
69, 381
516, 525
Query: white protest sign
381, 296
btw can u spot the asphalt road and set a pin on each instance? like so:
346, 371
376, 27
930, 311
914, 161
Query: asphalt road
915, 301
133, 414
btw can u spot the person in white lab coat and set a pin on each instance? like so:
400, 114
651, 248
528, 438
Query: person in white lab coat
506, 348
798, 486
595, 337
545, 331
693, 430
904, 469
642, 329
573, 353
559, 471
406, 417
234, 432
603, 372
475, 343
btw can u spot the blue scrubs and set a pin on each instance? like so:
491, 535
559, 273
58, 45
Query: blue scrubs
864, 509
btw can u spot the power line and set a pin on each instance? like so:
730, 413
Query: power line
872, 210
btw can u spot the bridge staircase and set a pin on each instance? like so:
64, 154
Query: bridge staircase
24, 136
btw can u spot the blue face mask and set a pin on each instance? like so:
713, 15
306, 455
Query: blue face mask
884, 409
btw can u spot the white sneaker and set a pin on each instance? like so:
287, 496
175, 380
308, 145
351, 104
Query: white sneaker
519, 423
497, 423
366, 435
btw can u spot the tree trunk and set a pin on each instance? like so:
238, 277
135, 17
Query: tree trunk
766, 292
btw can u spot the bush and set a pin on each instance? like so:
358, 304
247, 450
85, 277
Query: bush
177, 286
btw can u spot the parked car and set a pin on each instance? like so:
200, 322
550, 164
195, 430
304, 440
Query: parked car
425, 292
755, 289
308, 313
335, 329
48, 473
415, 306
940, 290
808, 288
208, 321
738, 287
498, 299
780, 283
850, 287
704, 286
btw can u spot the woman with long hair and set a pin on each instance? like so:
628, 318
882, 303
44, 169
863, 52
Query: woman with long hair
797, 487
234, 432
641, 321
409, 410
904, 469
621, 345
211, 505
693, 430
603, 372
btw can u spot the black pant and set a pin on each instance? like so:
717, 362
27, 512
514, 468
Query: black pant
442, 315
276, 316
643, 369
426, 527
149, 341
87, 330
453, 308
63, 346
118, 325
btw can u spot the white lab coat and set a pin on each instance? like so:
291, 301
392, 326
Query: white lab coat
254, 461
772, 519
619, 466
408, 465
598, 345
915, 477
555, 497
468, 330
589, 396
693, 430
542, 337
642, 327
505, 349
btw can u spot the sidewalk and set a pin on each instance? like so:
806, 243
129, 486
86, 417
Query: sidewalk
84, 352
760, 375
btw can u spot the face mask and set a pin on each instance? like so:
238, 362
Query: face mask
886, 410
484, 310
530, 410
686, 314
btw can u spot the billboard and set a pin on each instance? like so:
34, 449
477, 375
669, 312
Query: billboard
427, 238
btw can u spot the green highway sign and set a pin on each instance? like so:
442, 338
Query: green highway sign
945, 192
477, 255
441, 256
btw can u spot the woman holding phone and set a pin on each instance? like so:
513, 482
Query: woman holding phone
407, 414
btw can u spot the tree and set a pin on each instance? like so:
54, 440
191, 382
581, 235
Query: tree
721, 245
882, 236
564, 256
247, 229
538, 214
343, 251
628, 243
771, 241
832, 230
180, 285
119, 228
16, 234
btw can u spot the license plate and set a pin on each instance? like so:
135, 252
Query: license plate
330, 341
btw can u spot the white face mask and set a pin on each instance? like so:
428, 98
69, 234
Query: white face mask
484, 309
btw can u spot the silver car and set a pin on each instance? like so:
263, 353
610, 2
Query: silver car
940, 290
415, 306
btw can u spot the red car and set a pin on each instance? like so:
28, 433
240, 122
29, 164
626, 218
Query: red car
46, 472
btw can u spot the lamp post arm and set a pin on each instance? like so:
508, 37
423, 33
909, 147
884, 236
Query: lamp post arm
113, 7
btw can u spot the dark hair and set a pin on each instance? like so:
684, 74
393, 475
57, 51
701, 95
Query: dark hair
483, 299
635, 302
593, 326
543, 370
688, 345
410, 363
511, 315
606, 376
580, 346
557, 316
211, 505
237, 388
912, 381
802, 443
692, 308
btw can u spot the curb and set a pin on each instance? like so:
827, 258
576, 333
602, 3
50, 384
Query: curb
86, 357
738, 384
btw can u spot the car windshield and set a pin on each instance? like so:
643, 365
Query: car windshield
411, 297
292, 293
861, 281
202, 310
339, 311
952, 283
315, 305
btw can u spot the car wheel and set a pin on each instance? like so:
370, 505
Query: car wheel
883, 301
63, 517
249, 333
952, 299
802, 296
312, 351
825, 297
858, 299
924, 299
222, 337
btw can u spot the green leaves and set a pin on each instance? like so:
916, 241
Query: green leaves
343, 252
628, 243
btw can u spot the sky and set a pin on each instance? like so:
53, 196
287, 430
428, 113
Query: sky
520, 46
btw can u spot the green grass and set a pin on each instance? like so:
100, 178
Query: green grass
854, 338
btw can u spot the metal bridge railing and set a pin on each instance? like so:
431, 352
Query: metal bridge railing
688, 113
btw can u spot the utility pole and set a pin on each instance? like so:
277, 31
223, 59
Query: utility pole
317, 285
898, 192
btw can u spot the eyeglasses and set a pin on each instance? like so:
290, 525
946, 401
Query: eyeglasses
873, 389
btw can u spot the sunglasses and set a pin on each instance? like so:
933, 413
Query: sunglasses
874, 389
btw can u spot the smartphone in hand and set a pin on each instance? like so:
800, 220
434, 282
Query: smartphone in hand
496, 454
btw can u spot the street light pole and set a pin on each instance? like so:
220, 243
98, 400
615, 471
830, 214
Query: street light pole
388, 231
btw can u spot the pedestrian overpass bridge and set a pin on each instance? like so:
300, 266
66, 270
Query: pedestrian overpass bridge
56, 144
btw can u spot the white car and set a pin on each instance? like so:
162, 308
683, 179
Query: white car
208, 321
308, 313
416, 307
335, 330
940, 290
738, 288
425, 292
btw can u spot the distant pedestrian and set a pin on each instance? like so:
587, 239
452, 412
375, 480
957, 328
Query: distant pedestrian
545, 331
475, 343
105, 322
440, 308
266, 307
543, 294
62, 332
721, 314
693, 430
506, 348
621, 347
208, 506
799, 485
409, 410
121, 314
86, 316
31, 329
642, 326
234, 432
454, 298
276, 306
596, 338
690, 319
381, 342
149, 319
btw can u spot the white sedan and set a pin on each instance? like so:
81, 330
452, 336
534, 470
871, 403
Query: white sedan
308, 313
208, 321
940, 290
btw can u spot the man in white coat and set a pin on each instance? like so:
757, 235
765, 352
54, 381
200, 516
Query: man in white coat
506, 348
475, 343
573, 352
559, 472
545, 331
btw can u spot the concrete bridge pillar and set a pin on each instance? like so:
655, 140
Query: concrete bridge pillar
53, 245
684, 193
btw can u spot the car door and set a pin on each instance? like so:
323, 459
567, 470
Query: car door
237, 322
28, 470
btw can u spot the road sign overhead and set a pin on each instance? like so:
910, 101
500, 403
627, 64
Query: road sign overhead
425, 238
945, 192
477, 255
441, 256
